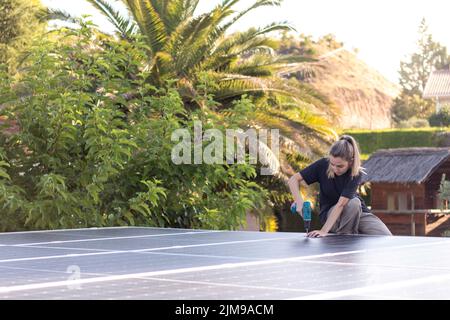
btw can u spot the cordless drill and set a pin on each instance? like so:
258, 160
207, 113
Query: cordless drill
306, 213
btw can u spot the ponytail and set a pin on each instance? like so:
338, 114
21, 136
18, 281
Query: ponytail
347, 149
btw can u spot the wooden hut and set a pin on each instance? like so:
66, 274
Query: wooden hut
405, 189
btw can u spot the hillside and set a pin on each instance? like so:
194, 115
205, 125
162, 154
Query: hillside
363, 96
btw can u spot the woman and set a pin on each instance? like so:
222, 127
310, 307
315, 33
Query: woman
342, 211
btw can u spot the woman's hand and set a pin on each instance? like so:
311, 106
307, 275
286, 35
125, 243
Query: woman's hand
317, 234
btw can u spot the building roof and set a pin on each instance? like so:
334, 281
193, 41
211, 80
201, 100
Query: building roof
438, 85
406, 165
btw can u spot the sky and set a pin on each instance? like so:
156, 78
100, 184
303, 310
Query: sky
385, 32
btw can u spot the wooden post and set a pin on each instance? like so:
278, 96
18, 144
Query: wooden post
413, 222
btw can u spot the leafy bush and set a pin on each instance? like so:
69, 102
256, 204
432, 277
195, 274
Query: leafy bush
76, 151
441, 118
444, 193
411, 105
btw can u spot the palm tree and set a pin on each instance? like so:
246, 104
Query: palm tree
181, 46
188, 48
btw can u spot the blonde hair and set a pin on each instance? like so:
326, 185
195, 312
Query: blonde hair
347, 149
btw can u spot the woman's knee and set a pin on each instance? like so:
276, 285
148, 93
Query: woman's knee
353, 205
351, 210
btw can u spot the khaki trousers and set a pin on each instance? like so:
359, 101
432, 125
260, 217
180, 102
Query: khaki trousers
353, 221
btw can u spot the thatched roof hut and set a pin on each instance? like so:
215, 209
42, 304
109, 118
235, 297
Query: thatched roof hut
404, 181
408, 165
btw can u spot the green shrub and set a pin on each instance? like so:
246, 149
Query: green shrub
441, 118
444, 192
74, 152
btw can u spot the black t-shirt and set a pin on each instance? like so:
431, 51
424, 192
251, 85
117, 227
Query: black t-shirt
331, 189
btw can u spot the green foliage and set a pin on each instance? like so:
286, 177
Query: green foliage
431, 55
302, 45
444, 191
20, 25
414, 74
83, 154
441, 118
373, 140
408, 106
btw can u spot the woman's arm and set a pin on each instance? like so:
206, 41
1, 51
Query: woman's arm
294, 183
334, 215
331, 220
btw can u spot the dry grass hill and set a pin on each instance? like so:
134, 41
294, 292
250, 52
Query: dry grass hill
362, 95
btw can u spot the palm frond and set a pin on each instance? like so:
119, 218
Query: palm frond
257, 4
232, 48
274, 26
227, 4
177, 11
305, 118
55, 14
160, 68
241, 38
191, 43
196, 52
294, 140
234, 86
296, 136
189, 8
263, 64
192, 39
243, 42
258, 65
149, 22
125, 27
292, 147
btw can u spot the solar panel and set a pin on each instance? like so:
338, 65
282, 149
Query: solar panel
182, 264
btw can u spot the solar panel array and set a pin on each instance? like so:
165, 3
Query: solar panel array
172, 264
